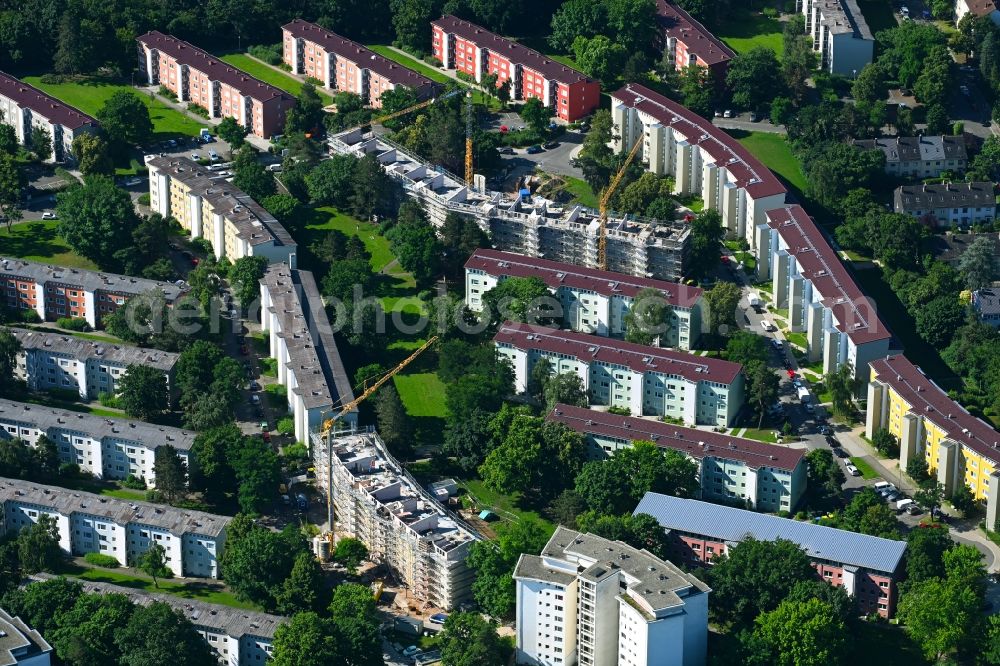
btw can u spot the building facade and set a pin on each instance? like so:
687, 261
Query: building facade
208, 206
867, 567
193, 541
840, 35
986, 304
648, 381
982, 8
197, 77
687, 42
473, 50
592, 601
766, 477
26, 108
823, 301
591, 300
919, 156
948, 204
20, 645
55, 292
346, 66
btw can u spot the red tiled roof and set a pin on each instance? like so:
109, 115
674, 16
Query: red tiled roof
726, 151
929, 401
215, 69
854, 313
692, 441
43, 104
680, 25
556, 274
639, 358
513, 51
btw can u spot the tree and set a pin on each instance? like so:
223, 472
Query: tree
211, 472
258, 473
762, 387
835, 169
307, 114
330, 182
307, 640
938, 320
576, 18
38, 546
648, 318
494, 561
937, 119
632, 23
169, 473
142, 392
567, 388
345, 276
870, 84
460, 237
723, 299
393, 422
940, 615
707, 232
824, 474
250, 175
754, 78
616, 485
533, 455
963, 500
991, 643
41, 604
840, 383
158, 634
300, 590
868, 513
245, 276
519, 299
41, 143
8, 140
925, 548
415, 243
744, 347
697, 87
257, 561
154, 562
640, 531
978, 264
599, 57
963, 566
97, 219
916, 469
357, 622
9, 348
782, 110
86, 632
469, 640
12, 182
799, 59
125, 119
803, 633
535, 115
232, 133
350, 553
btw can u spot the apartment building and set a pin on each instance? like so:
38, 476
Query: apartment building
26, 108
687, 42
981, 8
958, 447
107, 448
301, 340
948, 204
703, 160
840, 35
591, 300
823, 301
55, 291
20, 645
237, 636
919, 156
867, 567
88, 523
648, 381
346, 66
197, 77
766, 477
530, 225
986, 305
404, 527
209, 206
592, 601
474, 50
55, 361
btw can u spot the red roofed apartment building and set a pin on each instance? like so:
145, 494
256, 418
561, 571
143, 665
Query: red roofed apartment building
25, 107
198, 77
690, 43
346, 66
476, 51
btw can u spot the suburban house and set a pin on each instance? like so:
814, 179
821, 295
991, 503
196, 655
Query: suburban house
840, 35
919, 156
688, 42
986, 304
948, 204
26, 108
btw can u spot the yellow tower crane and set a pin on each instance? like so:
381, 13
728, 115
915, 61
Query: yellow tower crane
602, 239
468, 139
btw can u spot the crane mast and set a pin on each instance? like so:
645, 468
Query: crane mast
602, 239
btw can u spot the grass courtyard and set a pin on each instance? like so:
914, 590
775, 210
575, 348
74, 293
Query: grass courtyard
316, 223
422, 394
406, 61
867, 471
581, 191
268, 74
744, 29
773, 150
40, 241
506, 506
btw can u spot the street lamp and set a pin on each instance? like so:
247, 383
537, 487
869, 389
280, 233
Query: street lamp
854, 72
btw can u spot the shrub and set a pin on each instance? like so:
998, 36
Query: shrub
101, 560
66, 395
168, 93
277, 390
771, 12
269, 53
313, 80
296, 452
107, 400
286, 426
154, 496
133, 482
431, 60
69, 470
620, 411
30, 317
52, 78
73, 324
958, 128
519, 138
197, 110
144, 198
204, 246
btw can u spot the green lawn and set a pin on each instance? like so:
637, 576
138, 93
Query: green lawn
744, 29
406, 61
40, 241
581, 191
321, 220
773, 150
867, 471
90, 96
797, 339
762, 435
878, 14
268, 74
506, 506
49, 401
422, 394
214, 593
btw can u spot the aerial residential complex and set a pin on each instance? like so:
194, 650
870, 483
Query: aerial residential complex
592, 301
301, 340
767, 477
346, 66
403, 526
108, 448
840, 35
88, 523
688, 42
703, 160
867, 567
197, 77
648, 381
20, 645
592, 601
919, 156
822, 299
26, 108
476, 51
55, 292
948, 204
208, 206
56, 361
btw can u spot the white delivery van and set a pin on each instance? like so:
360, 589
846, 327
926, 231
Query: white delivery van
903, 504
879, 485
803, 394
754, 299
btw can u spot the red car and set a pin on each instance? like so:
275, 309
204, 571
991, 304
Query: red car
724, 259
504, 129
266, 435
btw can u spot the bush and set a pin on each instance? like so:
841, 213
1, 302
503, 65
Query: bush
168, 93
958, 128
144, 199
31, 317
69, 470
277, 390
313, 80
286, 425
433, 61
197, 110
66, 395
154, 496
52, 78
269, 53
107, 400
133, 482
101, 560
73, 324
204, 246
297, 452
620, 411
771, 12
520, 138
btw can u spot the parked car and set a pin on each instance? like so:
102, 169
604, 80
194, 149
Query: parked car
438, 618
549, 145
506, 150
753, 116
132, 182
777, 344
274, 168
728, 114
214, 156
892, 497
832, 441
534, 150
254, 386
825, 430
301, 501
48, 215
811, 408
411, 651
914, 509
852, 470
195, 156
840, 452
254, 398
718, 114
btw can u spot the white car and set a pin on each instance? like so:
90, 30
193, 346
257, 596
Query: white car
852, 470
768, 325
214, 156
132, 182
254, 398
728, 114
777, 343
48, 215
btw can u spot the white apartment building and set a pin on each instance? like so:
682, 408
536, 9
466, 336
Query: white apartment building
404, 526
56, 361
648, 381
20, 645
840, 34
25, 107
702, 159
108, 448
919, 156
301, 340
591, 601
948, 204
592, 301
767, 477
88, 523
823, 301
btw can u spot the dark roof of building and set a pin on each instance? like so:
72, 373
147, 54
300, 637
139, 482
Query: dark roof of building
726, 151
842, 16
215, 69
557, 274
639, 358
950, 247
513, 51
730, 524
986, 301
929, 401
43, 104
680, 25
917, 148
855, 315
944, 195
358, 54
695, 442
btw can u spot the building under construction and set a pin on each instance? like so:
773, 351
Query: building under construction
377, 501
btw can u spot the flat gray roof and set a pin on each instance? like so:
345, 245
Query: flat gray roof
82, 349
84, 279
16, 636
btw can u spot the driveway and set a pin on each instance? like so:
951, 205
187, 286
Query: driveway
555, 160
